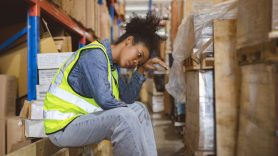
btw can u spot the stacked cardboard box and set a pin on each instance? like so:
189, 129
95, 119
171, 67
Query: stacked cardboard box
15, 134
63, 43
11, 126
14, 62
258, 96
199, 125
226, 86
257, 115
7, 106
32, 112
90, 13
48, 65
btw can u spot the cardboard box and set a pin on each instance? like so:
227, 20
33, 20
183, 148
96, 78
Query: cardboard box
2, 137
199, 129
47, 45
52, 60
25, 111
8, 91
254, 26
76, 9
41, 91
14, 62
20, 145
15, 132
36, 110
90, 14
46, 76
63, 43
32, 110
34, 129
157, 103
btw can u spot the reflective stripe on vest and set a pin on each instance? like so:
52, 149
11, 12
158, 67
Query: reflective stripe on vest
57, 115
67, 96
62, 104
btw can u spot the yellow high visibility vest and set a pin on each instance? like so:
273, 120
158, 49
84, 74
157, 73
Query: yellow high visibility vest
62, 104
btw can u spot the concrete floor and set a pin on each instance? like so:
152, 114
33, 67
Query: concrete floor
168, 140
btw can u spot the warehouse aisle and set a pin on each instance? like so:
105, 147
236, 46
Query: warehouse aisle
168, 140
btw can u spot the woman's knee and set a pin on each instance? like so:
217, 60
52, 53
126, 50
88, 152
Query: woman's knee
126, 114
142, 106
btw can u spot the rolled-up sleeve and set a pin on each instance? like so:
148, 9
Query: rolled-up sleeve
93, 65
129, 90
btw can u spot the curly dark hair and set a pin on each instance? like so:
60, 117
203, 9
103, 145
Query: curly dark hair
144, 31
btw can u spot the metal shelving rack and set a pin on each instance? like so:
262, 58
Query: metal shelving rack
33, 36
34, 11
35, 7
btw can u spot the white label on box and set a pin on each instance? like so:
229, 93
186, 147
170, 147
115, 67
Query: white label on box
46, 75
52, 60
34, 129
37, 110
41, 91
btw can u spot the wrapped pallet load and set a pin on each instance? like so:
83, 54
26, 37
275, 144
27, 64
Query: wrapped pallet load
199, 127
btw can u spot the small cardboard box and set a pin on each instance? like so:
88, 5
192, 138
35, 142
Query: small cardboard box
15, 132
36, 110
2, 137
34, 129
63, 43
32, 110
8, 92
52, 60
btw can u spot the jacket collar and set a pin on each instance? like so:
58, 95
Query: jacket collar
107, 46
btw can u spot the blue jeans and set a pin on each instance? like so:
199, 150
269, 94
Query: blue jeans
129, 129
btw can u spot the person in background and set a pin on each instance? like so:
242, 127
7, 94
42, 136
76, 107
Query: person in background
88, 102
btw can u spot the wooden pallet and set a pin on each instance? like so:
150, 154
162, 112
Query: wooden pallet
204, 62
266, 52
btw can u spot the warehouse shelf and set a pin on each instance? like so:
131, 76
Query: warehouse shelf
34, 10
59, 16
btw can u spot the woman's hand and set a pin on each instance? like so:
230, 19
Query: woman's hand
151, 64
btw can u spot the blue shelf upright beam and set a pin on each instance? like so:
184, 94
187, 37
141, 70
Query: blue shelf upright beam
33, 41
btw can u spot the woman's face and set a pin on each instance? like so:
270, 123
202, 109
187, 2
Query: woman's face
133, 55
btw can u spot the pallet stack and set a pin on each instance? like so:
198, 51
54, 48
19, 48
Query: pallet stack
199, 79
197, 41
258, 66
